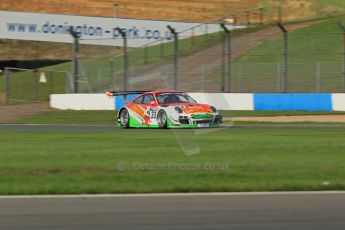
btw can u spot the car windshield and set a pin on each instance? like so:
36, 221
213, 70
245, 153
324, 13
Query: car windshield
167, 98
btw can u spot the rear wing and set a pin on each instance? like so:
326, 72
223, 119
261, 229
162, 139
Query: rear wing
124, 93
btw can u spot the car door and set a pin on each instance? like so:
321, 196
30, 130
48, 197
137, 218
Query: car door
150, 109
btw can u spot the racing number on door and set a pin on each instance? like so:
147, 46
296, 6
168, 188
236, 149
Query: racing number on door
152, 113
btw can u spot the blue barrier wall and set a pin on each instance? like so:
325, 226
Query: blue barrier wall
293, 101
119, 100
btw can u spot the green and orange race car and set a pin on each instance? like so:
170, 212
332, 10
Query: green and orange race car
165, 109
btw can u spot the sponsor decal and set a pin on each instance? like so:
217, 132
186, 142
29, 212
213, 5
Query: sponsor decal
138, 110
201, 116
197, 110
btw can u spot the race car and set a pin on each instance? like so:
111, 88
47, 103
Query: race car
165, 109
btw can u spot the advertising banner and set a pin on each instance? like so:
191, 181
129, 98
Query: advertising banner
93, 30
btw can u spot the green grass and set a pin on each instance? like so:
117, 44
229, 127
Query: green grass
142, 161
320, 42
338, 3
108, 117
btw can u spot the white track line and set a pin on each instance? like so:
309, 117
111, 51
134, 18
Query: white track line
174, 194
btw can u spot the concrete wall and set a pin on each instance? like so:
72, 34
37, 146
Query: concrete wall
226, 101
222, 101
81, 101
338, 101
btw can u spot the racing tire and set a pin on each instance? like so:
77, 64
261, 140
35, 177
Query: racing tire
124, 118
162, 119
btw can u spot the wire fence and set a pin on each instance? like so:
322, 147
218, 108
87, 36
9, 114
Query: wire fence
26, 86
153, 65
261, 59
257, 64
269, 60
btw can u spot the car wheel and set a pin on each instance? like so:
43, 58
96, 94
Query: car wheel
162, 119
124, 118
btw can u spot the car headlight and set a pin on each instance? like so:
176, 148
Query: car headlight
178, 109
213, 109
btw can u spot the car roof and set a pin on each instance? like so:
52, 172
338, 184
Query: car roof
163, 91
155, 92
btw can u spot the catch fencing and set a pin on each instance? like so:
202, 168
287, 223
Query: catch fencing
169, 63
264, 61
265, 57
26, 86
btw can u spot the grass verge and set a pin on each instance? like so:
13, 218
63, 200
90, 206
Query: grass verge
145, 161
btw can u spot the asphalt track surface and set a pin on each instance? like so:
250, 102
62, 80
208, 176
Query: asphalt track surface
285, 211
77, 128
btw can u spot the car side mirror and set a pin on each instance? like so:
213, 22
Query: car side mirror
153, 103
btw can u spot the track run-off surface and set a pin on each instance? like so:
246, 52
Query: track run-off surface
266, 211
